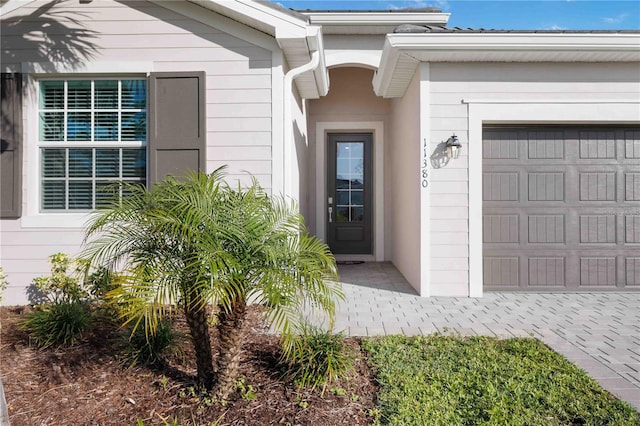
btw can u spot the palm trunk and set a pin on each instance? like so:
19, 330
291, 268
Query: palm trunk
230, 328
196, 316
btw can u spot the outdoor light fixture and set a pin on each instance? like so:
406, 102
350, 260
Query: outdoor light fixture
453, 146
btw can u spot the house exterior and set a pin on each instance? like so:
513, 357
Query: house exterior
349, 113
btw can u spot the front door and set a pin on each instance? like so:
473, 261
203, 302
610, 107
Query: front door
349, 193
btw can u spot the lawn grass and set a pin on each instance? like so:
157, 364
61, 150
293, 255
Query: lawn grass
453, 380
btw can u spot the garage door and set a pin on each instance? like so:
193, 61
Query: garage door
561, 208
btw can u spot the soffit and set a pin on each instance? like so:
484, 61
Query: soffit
403, 52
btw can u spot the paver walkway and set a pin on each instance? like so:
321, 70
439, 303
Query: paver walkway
600, 332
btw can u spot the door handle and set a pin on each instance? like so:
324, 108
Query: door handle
330, 214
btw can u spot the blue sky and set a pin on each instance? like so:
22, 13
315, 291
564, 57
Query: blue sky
506, 14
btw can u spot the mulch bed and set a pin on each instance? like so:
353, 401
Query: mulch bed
92, 384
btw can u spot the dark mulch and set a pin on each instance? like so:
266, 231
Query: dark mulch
91, 384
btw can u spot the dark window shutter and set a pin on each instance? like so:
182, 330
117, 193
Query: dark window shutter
11, 148
177, 124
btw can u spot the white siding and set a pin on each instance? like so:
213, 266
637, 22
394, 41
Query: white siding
450, 84
238, 94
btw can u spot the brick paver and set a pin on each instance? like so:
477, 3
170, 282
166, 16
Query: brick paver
600, 332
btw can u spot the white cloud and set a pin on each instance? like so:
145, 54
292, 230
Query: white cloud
615, 19
556, 27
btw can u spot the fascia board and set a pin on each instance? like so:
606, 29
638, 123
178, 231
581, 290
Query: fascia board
221, 22
12, 5
516, 42
388, 61
315, 42
257, 16
377, 18
461, 46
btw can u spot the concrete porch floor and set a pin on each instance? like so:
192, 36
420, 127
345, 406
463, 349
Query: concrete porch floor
600, 332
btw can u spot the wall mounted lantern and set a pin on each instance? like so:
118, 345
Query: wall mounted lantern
453, 146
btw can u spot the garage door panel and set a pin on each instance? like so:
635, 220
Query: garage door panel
502, 272
546, 229
500, 186
632, 144
546, 145
599, 271
501, 228
545, 186
597, 144
597, 186
547, 271
597, 229
561, 208
500, 146
632, 186
632, 271
632, 229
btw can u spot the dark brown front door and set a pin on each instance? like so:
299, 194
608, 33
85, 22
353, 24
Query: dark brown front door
349, 193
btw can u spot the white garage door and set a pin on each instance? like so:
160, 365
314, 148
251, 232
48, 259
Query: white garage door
561, 208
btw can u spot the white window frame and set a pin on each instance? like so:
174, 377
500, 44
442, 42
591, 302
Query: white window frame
91, 144
32, 216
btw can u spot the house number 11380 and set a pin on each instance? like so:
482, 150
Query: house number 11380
423, 170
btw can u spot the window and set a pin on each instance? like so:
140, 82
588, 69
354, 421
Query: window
92, 133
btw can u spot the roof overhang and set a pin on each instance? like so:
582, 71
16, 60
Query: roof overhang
403, 52
297, 38
373, 22
293, 32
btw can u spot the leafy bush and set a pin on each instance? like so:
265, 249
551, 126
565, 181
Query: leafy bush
58, 324
152, 349
3, 284
317, 357
63, 314
64, 285
451, 380
100, 282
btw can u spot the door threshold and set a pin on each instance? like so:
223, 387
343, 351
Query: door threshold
354, 258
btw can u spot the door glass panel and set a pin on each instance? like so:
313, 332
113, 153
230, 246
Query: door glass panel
356, 198
357, 214
342, 214
349, 181
342, 198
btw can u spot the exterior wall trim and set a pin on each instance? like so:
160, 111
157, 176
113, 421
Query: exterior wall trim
377, 128
498, 112
359, 59
425, 193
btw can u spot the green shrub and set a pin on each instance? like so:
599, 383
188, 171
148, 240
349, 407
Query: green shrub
64, 285
100, 282
152, 349
58, 324
317, 357
3, 284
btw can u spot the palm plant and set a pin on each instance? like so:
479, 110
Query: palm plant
276, 264
193, 243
